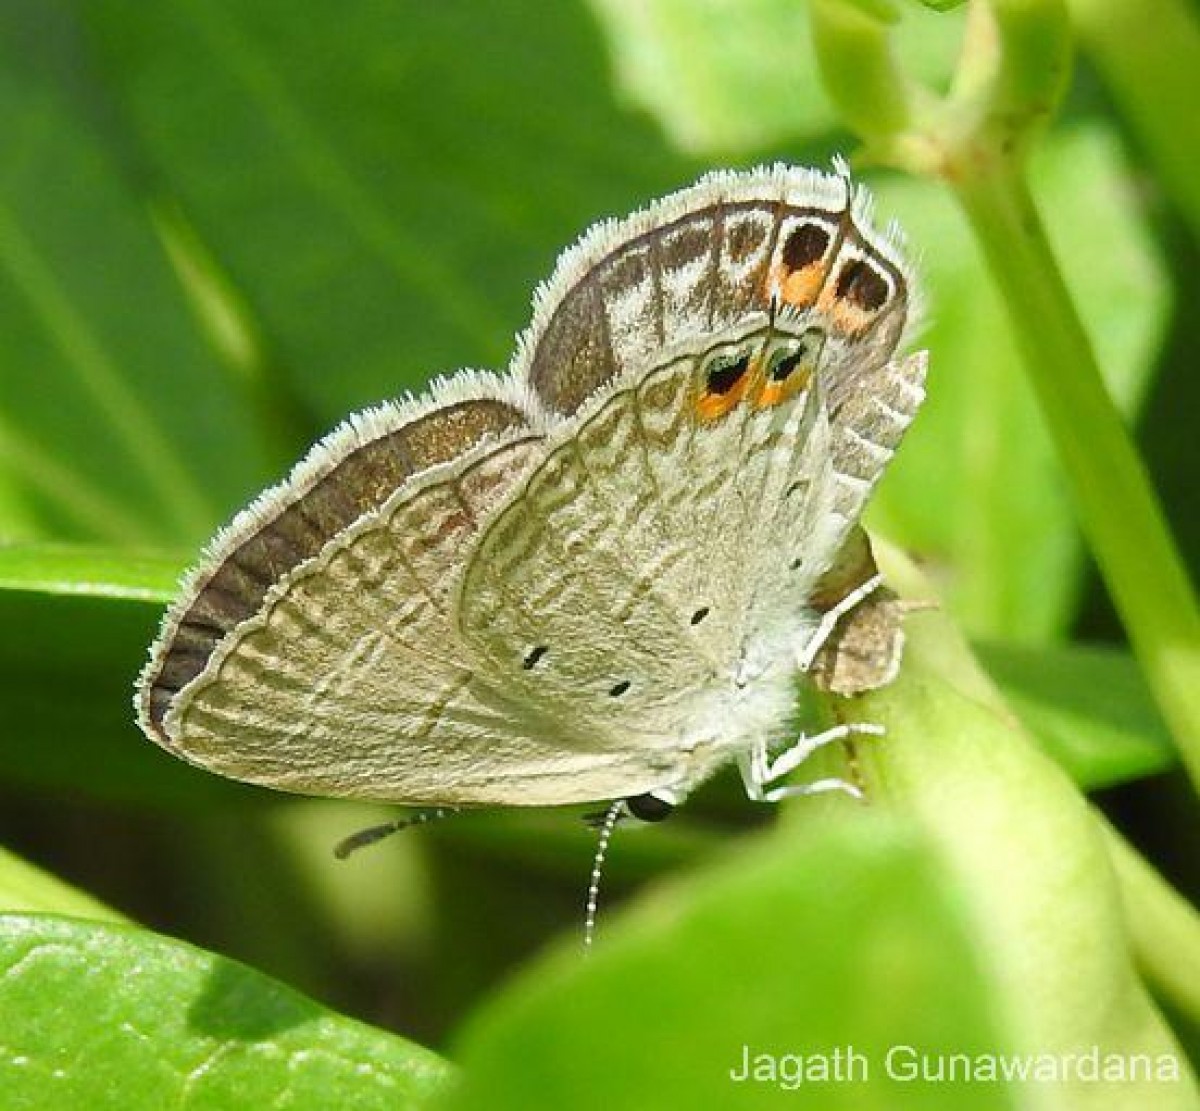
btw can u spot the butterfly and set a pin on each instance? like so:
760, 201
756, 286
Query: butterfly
600, 575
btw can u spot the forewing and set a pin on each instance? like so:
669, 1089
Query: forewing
351, 472
350, 680
346, 676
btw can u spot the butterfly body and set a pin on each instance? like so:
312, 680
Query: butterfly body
599, 576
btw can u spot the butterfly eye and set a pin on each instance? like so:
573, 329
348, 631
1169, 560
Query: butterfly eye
653, 806
724, 372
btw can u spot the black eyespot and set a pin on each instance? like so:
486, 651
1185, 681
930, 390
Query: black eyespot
649, 807
782, 364
725, 372
618, 689
804, 246
533, 655
862, 285
699, 615
796, 563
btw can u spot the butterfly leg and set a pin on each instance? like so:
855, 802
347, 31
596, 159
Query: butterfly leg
792, 758
817, 787
758, 769
829, 620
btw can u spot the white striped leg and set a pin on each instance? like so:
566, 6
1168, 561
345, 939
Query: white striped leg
758, 769
817, 787
829, 620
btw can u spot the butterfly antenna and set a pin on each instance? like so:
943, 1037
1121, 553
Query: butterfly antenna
611, 817
371, 834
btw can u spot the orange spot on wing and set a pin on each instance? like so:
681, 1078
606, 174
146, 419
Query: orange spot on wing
713, 406
801, 287
775, 393
810, 287
771, 394
849, 319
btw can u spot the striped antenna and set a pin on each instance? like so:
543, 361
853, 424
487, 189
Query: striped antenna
371, 834
611, 817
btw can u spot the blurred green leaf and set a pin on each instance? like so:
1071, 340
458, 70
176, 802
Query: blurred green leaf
1020, 846
382, 185
115, 418
48, 568
729, 78
26, 888
696, 67
976, 488
1148, 52
1088, 707
67, 666
783, 949
102, 1016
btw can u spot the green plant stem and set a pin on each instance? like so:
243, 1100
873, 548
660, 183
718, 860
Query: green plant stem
1164, 929
1148, 52
1161, 930
858, 69
1112, 493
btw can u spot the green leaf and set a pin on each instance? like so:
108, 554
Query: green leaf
976, 489
101, 1016
74, 632
1148, 53
729, 78
784, 948
697, 68
339, 169
116, 421
26, 888
91, 570
1025, 853
1089, 708
67, 666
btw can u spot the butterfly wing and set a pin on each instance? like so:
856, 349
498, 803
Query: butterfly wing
523, 592
343, 676
864, 652
349, 473
611, 590
707, 258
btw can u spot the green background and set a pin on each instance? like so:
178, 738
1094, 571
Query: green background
223, 227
